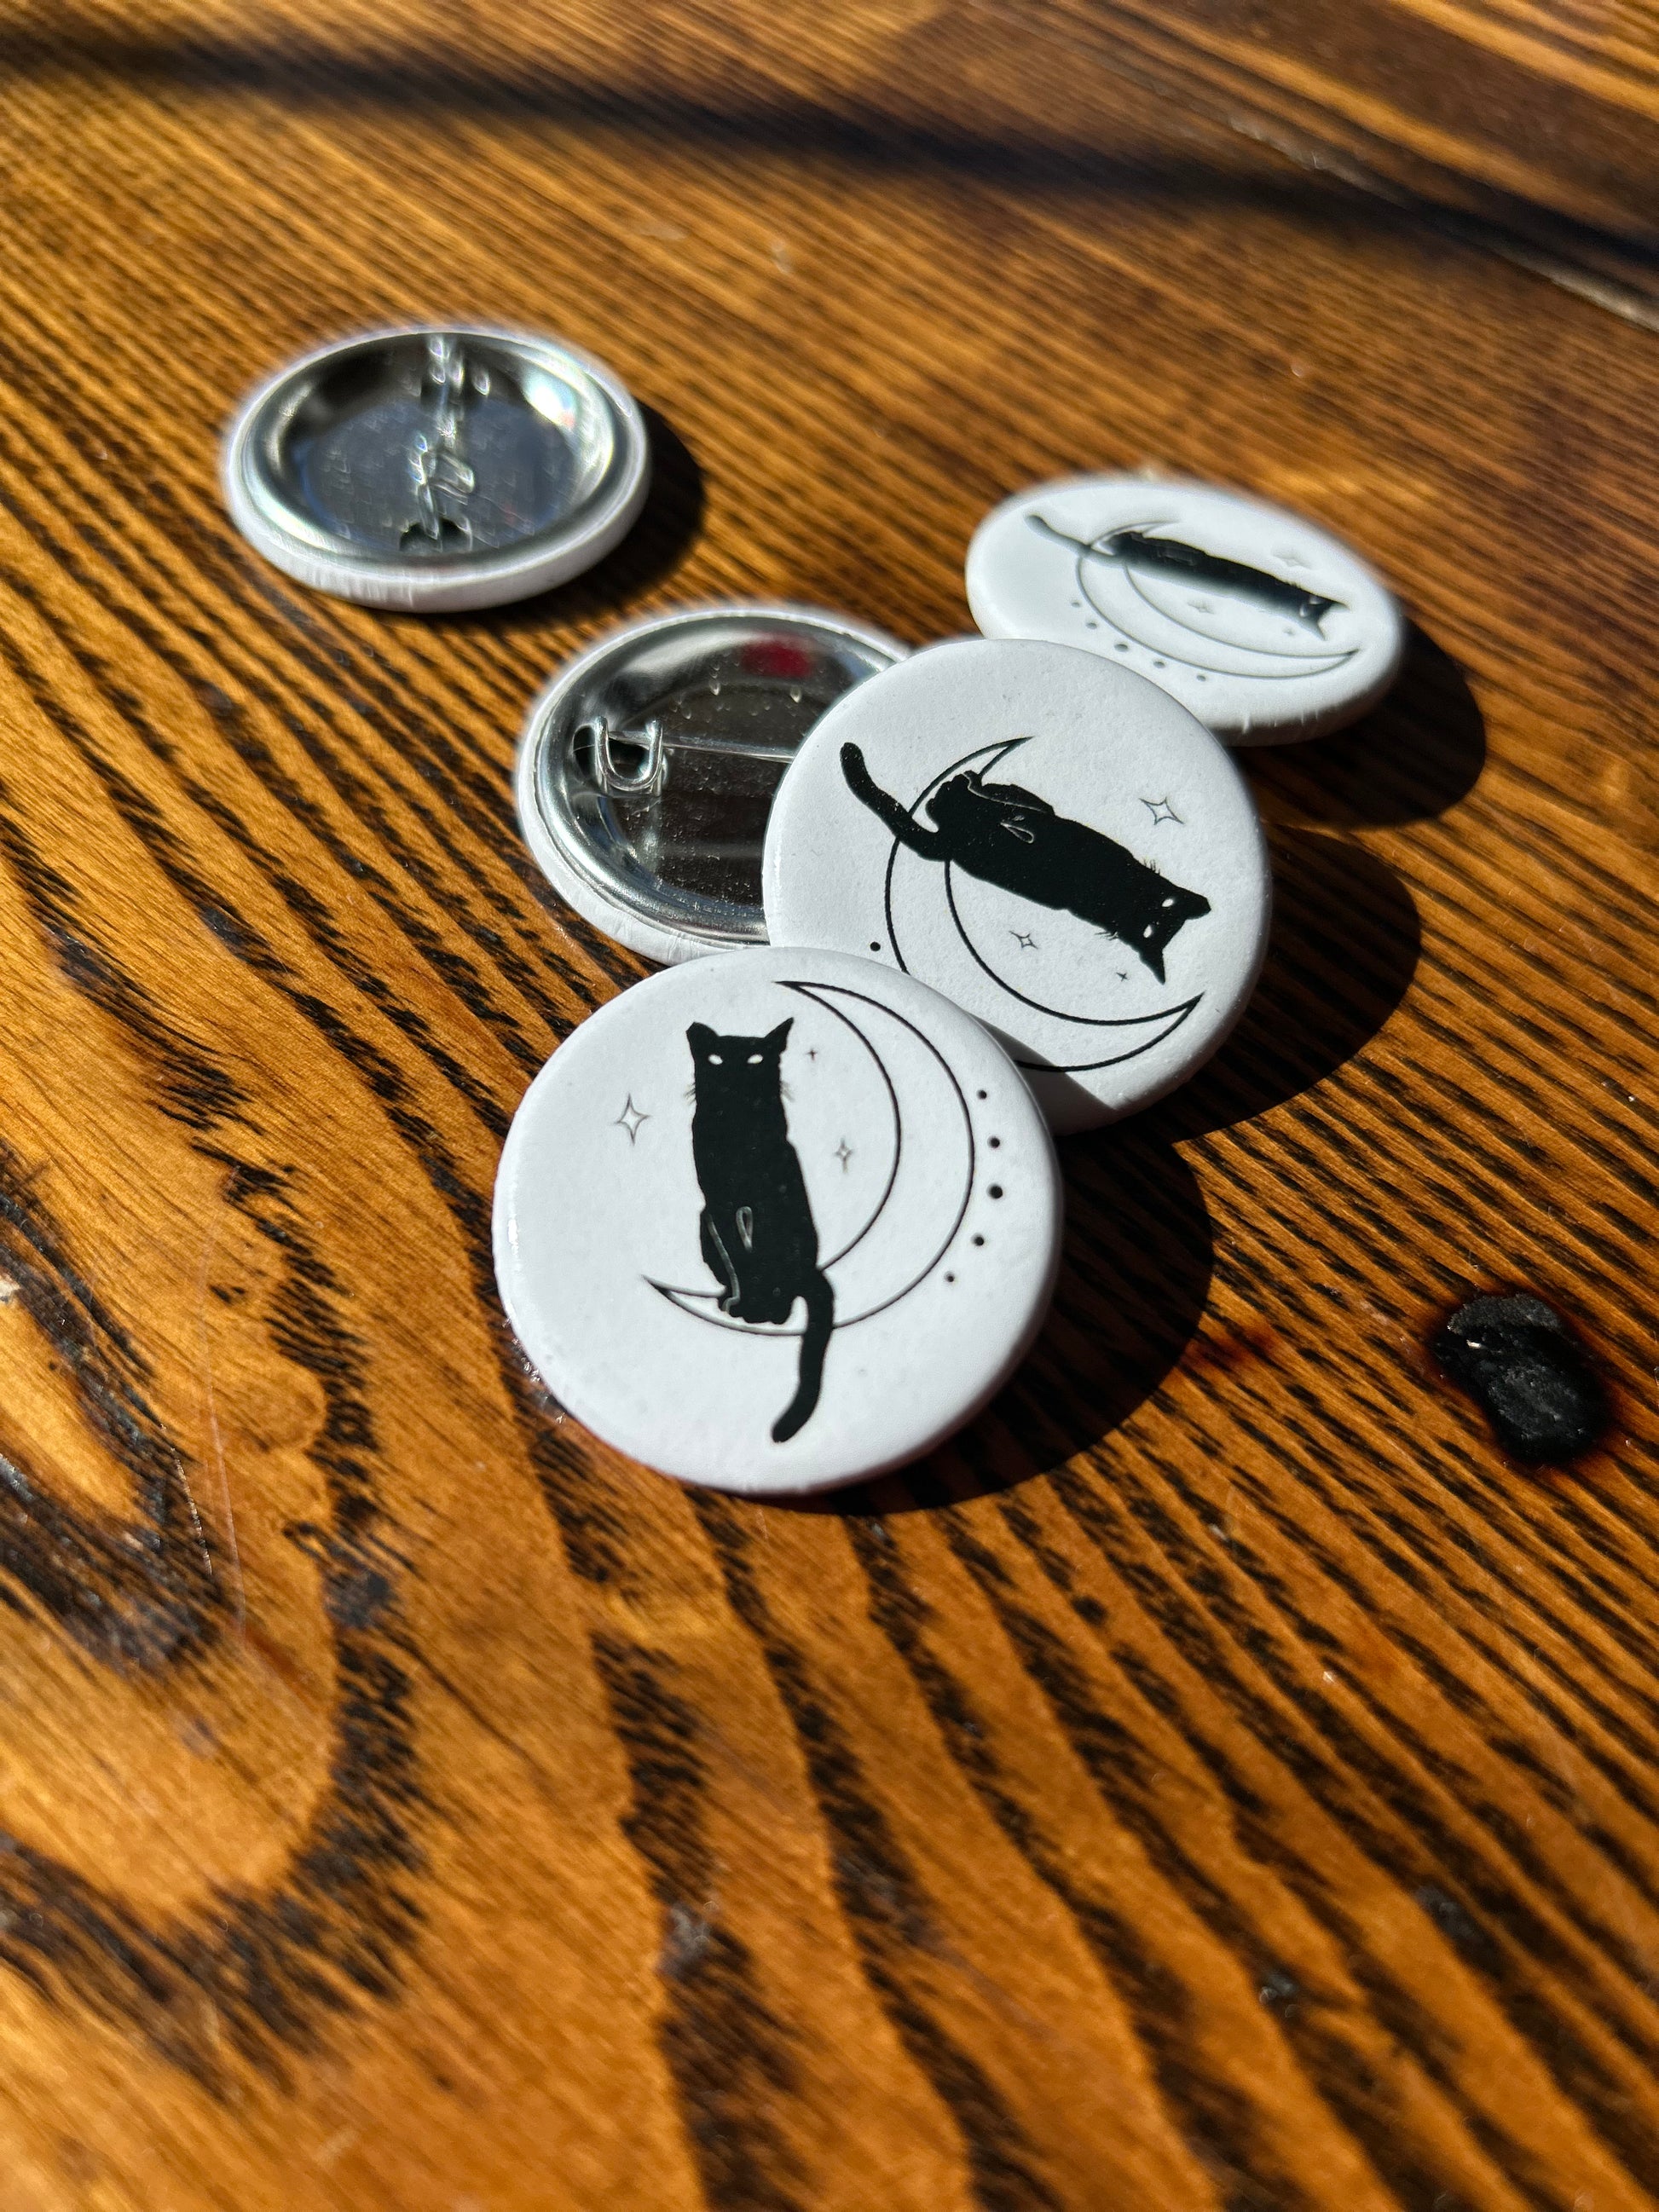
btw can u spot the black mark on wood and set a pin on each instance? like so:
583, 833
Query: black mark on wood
1529, 1374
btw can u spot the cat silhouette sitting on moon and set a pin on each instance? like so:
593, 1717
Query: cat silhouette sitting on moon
1010, 837
759, 1239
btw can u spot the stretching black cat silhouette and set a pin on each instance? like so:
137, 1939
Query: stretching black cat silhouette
759, 1235
1010, 837
1128, 549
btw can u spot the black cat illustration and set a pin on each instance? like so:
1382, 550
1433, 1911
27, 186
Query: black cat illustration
1128, 549
759, 1238
1012, 838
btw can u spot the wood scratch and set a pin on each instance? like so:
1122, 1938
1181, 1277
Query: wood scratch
214, 1433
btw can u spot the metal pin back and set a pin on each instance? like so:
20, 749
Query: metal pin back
648, 767
437, 470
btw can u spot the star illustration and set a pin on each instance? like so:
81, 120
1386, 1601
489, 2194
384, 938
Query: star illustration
1161, 811
630, 1118
843, 1153
1025, 943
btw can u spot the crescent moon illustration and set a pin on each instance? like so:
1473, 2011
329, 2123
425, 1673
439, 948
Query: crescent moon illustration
927, 1189
1052, 1044
1157, 611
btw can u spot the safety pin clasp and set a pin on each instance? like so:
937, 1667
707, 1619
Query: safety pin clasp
628, 765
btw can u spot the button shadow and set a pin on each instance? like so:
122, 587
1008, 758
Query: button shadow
1135, 1277
1414, 756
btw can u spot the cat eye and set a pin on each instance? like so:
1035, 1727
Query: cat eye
754, 1060
714, 1060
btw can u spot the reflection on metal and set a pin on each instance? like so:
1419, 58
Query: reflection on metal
649, 765
443, 481
437, 469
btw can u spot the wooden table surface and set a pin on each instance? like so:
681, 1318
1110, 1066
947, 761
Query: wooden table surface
1223, 1781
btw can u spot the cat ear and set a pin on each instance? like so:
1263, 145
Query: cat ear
699, 1036
776, 1039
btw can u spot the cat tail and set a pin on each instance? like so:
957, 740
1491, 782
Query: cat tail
930, 843
820, 1320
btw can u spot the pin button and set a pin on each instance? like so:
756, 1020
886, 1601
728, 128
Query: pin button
437, 470
746, 1229
1264, 627
1055, 844
648, 767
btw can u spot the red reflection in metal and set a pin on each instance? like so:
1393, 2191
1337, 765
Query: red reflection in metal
780, 658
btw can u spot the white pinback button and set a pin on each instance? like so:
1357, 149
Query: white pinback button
437, 470
776, 1220
1054, 843
1264, 627
647, 766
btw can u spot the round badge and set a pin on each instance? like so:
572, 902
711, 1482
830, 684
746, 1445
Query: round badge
648, 767
1052, 842
437, 470
1264, 628
776, 1220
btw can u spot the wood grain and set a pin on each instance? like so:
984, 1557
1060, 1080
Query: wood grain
1221, 1783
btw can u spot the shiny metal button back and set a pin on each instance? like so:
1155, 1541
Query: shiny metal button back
437, 470
647, 768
